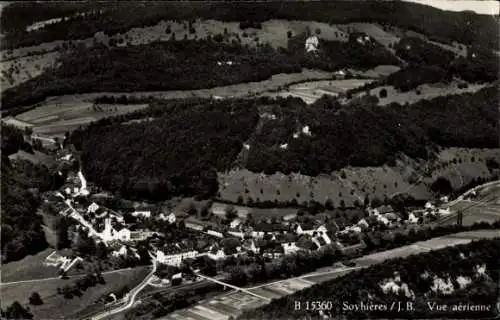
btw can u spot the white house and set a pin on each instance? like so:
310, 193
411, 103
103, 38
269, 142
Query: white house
444, 212
175, 259
412, 218
93, 207
177, 276
429, 205
306, 131
290, 247
123, 234
237, 234
171, 218
218, 255
235, 223
145, 214
339, 74
215, 234
121, 252
363, 223
312, 44
299, 230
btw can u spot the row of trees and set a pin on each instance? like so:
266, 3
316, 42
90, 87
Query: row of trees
464, 27
360, 285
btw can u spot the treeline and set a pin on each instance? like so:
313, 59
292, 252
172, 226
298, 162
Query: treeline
367, 135
364, 286
177, 154
22, 231
172, 65
465, 27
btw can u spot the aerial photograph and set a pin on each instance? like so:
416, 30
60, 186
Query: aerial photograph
239, 160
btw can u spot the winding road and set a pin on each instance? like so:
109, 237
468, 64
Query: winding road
129, 297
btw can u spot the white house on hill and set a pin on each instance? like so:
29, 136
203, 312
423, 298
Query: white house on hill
312, 44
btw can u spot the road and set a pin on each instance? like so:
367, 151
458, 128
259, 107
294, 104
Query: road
130, 297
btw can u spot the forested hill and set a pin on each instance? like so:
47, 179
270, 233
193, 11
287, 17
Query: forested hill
465, 27
418, 278
22, 231
181, 149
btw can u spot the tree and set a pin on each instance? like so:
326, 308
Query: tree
239, 200
35, 299
329, 204
62, 239
383, 93
16, 311
376, 202
231, 213
366, 202
342, 203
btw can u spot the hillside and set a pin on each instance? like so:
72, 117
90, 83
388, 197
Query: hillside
462, 275
463, 27
299, 138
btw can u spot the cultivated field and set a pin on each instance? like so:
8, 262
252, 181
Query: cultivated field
55, 306
57, 116
311, 91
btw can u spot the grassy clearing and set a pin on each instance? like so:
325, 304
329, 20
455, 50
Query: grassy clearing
55, 306
37, 157
23, 69
31, 267
348, 185
354, 183
426, 91
462, 165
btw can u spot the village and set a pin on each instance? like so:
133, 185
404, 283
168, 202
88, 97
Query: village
176, 238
